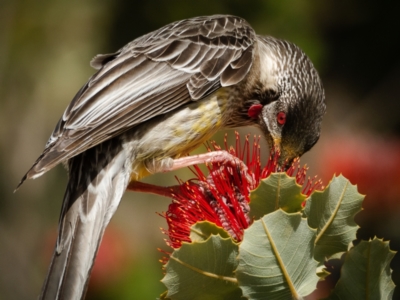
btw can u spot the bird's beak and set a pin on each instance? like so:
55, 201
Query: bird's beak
286, 156
277, 144
277, 149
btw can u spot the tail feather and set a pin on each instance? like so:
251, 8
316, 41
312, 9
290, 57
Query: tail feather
98, 179
71, 265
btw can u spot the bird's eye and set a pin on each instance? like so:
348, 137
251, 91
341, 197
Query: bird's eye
281, 118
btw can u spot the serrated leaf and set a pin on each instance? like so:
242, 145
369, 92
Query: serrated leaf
322, 269
366, 272
201, 231
322, 272
332, 213
276, 258
209, 264
276, 191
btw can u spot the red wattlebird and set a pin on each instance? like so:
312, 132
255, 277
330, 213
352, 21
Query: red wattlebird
155, 100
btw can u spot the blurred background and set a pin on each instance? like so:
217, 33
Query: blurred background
45, 49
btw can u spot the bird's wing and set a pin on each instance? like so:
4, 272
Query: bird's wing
156, 73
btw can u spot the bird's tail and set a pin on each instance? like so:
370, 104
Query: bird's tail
98, 179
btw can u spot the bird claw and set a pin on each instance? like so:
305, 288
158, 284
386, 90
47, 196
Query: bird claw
220, 158
223, 157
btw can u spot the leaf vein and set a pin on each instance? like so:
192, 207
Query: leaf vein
205, 273
280, 262
333, 215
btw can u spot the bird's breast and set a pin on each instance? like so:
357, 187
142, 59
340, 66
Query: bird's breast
177, 133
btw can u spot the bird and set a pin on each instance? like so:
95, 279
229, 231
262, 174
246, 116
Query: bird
154, 101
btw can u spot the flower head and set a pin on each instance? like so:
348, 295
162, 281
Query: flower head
223, 196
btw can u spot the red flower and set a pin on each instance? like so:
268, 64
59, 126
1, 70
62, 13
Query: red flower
222, 197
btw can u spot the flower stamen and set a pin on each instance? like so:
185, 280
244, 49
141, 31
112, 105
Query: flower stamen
223, 196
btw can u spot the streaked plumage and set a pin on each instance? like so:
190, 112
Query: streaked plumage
159, 72
155, 100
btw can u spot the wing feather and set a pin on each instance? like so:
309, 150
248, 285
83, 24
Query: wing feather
156, 73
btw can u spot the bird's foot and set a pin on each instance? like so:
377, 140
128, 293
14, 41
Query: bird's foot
220, 157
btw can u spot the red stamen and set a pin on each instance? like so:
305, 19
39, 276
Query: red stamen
222, 197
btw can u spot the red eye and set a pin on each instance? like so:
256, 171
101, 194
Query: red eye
281, 118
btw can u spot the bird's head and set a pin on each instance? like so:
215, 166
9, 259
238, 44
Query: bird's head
292, 108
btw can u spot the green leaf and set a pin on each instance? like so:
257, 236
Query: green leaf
321, 271
276, 191
332, 213
203, 270
276, 258
201, 231
366, 272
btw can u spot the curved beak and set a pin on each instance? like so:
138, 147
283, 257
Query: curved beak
277, 144
286, 156
277, 150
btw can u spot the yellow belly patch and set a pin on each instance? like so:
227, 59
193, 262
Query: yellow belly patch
178, 132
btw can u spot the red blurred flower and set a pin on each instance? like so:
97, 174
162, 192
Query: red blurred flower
373, 163
222, 197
